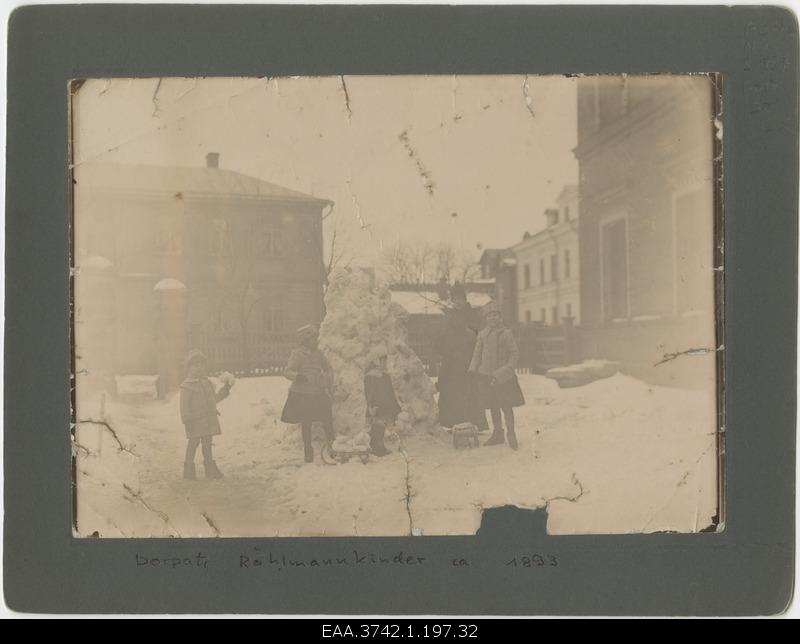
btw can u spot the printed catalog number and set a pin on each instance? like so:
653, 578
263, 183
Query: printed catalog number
396, 630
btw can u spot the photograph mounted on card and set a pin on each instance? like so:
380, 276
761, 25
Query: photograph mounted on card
381, 305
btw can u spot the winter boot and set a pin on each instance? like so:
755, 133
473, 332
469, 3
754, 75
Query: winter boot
512, 439
212, 471
189, 472
376, 445
496, 438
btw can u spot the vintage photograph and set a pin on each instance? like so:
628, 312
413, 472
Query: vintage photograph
382, 305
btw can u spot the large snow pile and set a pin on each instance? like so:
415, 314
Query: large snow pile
360, 325
577, 375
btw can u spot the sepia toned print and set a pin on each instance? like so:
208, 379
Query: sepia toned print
381, 305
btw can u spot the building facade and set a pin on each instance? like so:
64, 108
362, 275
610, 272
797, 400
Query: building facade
499, 268
646, 153
548, 275
193, 257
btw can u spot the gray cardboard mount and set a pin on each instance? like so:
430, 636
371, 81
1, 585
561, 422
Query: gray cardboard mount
745, 569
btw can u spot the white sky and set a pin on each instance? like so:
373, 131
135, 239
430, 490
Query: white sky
491, 159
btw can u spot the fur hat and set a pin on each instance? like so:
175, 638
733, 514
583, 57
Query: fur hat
305, 332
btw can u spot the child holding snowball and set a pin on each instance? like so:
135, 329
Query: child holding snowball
199, 413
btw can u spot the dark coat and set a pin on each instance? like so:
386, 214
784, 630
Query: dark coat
309, 371
379, 394
199, 407
456, 386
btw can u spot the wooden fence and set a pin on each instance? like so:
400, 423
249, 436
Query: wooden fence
268, 352
540, 347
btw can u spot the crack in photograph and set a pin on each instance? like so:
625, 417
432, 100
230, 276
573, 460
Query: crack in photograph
381, 305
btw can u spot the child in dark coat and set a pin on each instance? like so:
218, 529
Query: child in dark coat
309, 394
199, 414
382, 405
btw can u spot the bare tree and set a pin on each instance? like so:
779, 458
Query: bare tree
426, 263
335, 253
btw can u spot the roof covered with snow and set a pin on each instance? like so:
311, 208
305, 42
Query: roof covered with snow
429, 303
186, 181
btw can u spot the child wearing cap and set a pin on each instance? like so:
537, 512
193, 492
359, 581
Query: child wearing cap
494, 360
309, 394
199, 413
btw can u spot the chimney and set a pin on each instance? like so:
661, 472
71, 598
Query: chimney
212, 160
552, 216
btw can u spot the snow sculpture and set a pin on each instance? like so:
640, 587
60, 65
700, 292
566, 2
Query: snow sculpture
360, 325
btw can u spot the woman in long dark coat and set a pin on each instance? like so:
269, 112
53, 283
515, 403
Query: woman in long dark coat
456, 386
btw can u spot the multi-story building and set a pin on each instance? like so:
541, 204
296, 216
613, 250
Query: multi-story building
498, 268
548, 275
229, 263
646, 148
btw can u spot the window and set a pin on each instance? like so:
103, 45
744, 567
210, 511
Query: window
553, 268
272, 320
567, 267
542, 316
614, 270
569, 310
566, 213
221, 322
271, 241
219, 240
527, 275
541, 272
555, 315
528, 317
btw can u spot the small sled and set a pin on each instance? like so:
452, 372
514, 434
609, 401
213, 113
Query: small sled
465, 435
331, 456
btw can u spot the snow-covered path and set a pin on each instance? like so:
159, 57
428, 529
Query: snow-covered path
614, 456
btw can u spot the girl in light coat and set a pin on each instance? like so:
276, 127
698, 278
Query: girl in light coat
493, 362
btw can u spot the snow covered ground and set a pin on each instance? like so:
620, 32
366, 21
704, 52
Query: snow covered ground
614, 456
